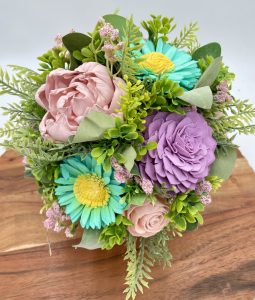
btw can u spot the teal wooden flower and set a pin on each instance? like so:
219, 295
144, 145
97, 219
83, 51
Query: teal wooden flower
88, 193
169, 61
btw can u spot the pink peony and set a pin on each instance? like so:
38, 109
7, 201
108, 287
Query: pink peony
147, 219
69, 95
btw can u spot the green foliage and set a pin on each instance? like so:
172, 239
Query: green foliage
140, 261
215, 181
164, 96
89, 240
131, 39
187, 38
53, 59
228, 119
186, 210
115, 234
223, 75
211, 49
224, 163
91, 51
134, 195
158, 28
200, 97
21, 84
211, 73
93, 127
74, 42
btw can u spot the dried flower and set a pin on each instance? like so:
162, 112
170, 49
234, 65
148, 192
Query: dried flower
68, 233
223, 94
206, 199
107, 31
121, 174
203, 187
55, 218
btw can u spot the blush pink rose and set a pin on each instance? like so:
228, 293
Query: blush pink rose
147, 219
69, 95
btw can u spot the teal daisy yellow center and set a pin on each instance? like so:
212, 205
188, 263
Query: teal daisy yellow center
156, 62
89, 193
90, 190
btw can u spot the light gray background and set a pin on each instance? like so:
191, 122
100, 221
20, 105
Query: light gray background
28, 28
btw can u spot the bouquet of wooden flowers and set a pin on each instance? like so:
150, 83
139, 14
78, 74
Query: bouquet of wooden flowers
126, 135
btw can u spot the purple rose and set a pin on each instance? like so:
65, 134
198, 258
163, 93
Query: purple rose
185, 150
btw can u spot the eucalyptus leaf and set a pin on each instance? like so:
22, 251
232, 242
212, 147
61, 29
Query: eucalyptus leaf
200, 97
93, 126
89, 240
211, 49
210, 74
224, 163
129, 154
75, 41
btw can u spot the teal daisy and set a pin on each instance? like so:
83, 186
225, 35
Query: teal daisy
88, 193
169, 61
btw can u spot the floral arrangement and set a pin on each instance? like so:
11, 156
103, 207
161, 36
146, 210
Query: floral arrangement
126, 134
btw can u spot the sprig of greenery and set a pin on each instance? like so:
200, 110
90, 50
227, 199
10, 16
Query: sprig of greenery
140, 261
51, 60
115, 234
229, 119
159, 28
18, 84
157, 248
224, 74
186, 210
138, 267
131, 40
187, 38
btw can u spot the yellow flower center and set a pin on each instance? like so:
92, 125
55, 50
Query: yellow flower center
89, 190
156, 62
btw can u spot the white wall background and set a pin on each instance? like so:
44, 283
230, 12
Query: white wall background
28, 28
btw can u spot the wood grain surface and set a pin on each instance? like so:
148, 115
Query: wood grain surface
215, 262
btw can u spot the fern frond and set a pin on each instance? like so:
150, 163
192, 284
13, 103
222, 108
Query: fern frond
187, 38
131, 42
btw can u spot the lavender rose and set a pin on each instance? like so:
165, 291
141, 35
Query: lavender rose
147, 219
69, 95
185, 150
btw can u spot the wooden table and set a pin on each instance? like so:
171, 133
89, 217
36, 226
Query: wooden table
215, 262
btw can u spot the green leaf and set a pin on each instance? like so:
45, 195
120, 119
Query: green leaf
93, 126
90, 240
201, 97
151, 145
138, 199
180, 222
212, 49
224, 164
130, 155
75, 41
119, 23
96, 152
135, 171
179, 206
192, 226
210, 74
